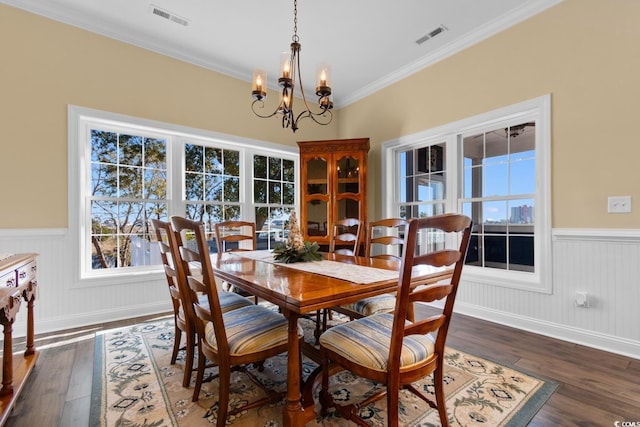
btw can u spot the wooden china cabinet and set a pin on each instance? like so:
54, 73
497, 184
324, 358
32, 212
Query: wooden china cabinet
334, 185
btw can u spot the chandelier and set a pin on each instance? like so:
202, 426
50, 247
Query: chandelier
290, 70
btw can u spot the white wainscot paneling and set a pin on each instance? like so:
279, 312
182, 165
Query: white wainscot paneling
603, 263
63, 302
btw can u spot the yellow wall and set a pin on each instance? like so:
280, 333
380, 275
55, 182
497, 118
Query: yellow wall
585, 53
47, 65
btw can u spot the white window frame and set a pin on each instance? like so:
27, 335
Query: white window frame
80, 119
537, 110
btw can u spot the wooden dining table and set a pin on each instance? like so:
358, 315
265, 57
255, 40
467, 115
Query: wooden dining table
302, 288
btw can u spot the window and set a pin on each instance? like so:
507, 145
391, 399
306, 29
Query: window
128, 188
211, 184
125, 171
274, 197
422, 185
495, 168
499, 187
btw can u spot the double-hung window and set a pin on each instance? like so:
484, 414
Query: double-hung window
211, 183
128, 187
126, 171
274, 197
495, 168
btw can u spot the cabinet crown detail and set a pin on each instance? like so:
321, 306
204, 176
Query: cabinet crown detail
358, 144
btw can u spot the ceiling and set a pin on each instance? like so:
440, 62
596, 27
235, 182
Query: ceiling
369, 44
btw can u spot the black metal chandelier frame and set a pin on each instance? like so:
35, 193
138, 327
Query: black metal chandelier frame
287, 82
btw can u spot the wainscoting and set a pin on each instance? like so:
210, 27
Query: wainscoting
603, 263
64, 301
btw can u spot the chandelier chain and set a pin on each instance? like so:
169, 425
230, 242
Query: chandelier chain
295, 37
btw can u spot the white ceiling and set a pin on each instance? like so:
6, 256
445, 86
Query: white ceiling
368, 43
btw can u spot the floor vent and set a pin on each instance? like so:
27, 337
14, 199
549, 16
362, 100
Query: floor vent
155, 10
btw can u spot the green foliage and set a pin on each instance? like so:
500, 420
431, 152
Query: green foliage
288, 255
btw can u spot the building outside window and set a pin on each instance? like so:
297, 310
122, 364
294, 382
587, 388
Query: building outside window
499, 188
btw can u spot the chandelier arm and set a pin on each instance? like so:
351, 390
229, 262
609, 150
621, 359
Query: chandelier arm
302, 95
323, 114
253, 108
308, 112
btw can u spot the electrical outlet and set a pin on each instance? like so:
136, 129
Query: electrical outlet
619, 204
582, 299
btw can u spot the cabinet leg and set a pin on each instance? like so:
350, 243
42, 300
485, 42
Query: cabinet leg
30, 328
7, 360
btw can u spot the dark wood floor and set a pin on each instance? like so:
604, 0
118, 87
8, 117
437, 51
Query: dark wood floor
595, 388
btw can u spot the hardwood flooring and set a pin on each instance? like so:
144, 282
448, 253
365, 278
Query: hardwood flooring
595, 388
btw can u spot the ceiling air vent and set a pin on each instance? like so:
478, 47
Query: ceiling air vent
155, 10
431, 34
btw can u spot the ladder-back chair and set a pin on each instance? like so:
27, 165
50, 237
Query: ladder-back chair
389, 349
345, 236
233, 339
383, 240
184, 317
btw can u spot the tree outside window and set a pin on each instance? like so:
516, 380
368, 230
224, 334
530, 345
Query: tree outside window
273, 198
128, 189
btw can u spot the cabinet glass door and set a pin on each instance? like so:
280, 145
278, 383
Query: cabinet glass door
348, 171
348, 208
317, 214
317, 193
317, 177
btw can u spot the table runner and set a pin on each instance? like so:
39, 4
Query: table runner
354, 273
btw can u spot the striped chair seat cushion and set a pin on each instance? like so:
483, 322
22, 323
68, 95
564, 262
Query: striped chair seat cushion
366, 342
231, 301
251, 329
373, 305
228, 301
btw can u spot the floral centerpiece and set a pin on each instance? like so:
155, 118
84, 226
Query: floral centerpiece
296, 249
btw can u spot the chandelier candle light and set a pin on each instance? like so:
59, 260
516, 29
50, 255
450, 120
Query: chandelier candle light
290, 67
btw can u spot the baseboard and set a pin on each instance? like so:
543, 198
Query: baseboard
584, 337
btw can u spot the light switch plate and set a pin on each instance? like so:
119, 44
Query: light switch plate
619, 204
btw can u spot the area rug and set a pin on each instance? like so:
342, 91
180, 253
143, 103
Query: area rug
135, 385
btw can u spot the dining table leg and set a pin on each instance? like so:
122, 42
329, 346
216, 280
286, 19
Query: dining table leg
294, 414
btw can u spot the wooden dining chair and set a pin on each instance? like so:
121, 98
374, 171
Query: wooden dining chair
163, 233
231, 340
345, 236
384, 240
183, 314
389, 349
344, 239
235, 235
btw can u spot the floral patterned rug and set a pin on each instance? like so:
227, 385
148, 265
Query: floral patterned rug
134, 385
